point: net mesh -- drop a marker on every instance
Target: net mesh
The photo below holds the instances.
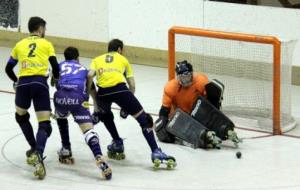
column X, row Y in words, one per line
column 246, row 69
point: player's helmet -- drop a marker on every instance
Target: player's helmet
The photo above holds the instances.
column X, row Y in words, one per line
column 184, row 72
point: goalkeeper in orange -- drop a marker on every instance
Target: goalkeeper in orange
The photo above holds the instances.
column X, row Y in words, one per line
column 190, row 111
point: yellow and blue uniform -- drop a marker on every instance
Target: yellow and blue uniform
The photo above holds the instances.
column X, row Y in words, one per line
column 110, row 69
column 32, row 54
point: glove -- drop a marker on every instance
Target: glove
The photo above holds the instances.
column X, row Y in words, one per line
column 161, row 122
column 123, row 114
column 162, row 134
column 53, row 81
column 96, row 118
column 15, row 85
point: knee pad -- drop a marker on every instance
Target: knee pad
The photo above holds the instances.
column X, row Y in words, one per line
column 106, row 116
column 91, row 136
column 102, row 116
column 145, row 120
column 46, row 126
column 162, row 134
column 22, row 118
column 61, row 122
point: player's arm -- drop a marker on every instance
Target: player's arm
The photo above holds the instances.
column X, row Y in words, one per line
column 129, row 76
column 161, row 123
column 131, row 84
column 165, row 109
column 90, row 82
column 55, row 68
column 93, row 94
column 9, row 69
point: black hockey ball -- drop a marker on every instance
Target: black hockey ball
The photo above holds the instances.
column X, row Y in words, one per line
column 238, row 154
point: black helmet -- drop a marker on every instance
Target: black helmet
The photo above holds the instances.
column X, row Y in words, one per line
column 184, row 72
column 183, row 67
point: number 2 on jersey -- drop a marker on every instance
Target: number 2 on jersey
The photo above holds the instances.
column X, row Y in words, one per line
column 32, row 47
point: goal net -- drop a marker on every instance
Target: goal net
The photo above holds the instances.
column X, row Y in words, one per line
column 256, row 72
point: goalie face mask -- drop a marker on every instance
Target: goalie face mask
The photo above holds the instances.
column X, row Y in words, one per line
column 185, row 79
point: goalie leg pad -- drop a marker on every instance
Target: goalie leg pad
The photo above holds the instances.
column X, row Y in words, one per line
column 204, row 112
column 214, row 92
column 162, row 134
column 183, row 126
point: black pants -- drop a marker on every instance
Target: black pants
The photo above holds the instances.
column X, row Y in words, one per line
column 121, row 95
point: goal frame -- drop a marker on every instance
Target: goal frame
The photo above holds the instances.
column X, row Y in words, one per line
column 238, row 37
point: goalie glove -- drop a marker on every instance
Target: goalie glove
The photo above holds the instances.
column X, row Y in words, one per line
column 160, row 129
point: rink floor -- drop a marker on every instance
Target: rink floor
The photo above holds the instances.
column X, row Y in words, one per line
column 268, row 162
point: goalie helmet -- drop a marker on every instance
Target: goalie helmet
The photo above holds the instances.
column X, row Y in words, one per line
column 184, row 72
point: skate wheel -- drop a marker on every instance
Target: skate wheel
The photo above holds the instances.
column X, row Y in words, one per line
column 120, row 156
column 110, row 155
column 116, row 156
column 108, row 177
column 39, row 172
column 107, row 174
column 171, row 164
column 69, row 161
column 30, row 161
column 156, row 163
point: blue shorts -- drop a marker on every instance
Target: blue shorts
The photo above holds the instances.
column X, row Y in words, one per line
column 74, row 102
column 35, row 89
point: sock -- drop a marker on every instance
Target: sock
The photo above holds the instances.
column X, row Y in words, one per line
column 112, row 129
column 92, row 139
column 149, row 136
column 26, row 128
column 42, row 135
column 63, row 127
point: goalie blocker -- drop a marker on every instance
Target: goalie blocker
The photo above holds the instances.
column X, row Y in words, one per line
column 214, row 92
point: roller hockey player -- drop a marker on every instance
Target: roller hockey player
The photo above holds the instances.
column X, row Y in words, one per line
column 71, row 97
column 109, row 70
column 33, row 54
column 182, row 97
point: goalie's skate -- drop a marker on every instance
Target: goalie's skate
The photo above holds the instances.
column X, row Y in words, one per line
column 36, row 160
column 212, row 140
column 65, row 156
column 232, row 135
column 158, row 157
column 106, row 170
column 116, row 150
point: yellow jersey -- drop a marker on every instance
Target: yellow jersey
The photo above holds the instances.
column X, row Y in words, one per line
column 111, row 69
column 32, row 54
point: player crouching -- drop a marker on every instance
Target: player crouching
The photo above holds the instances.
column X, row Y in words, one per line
column 195, row 116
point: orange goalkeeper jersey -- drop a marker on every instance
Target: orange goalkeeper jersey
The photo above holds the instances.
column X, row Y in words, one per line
column 176, row 96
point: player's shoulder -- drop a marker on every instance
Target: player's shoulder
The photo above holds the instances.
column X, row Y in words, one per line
column 120, row 57
column 200, row 77
column 171, row 86
column 21, row 42
column 200, row 80
column 44, row 41
column 100, row 57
